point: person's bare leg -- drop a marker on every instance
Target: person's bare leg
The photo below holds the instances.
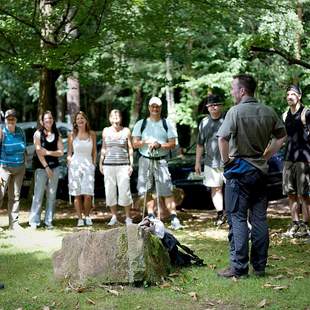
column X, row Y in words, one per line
column 217, row 198
column 294, row 206
column 78, row 205
column 305, row 208
column 87, row 204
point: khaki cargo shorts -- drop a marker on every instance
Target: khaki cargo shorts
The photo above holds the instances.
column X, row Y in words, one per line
column 296, row 178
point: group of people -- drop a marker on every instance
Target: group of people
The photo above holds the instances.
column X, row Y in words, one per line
column 153, row 142
column 237, row 147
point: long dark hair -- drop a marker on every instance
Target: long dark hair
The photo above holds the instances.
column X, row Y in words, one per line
column 53, row 129
column 75, row 127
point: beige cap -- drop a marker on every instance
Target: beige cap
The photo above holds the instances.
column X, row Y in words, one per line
column 155, row 100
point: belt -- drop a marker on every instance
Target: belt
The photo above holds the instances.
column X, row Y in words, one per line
column 155, row 158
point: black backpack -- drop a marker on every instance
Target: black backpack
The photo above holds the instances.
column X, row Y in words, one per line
column 178, row 257
column 143, row 125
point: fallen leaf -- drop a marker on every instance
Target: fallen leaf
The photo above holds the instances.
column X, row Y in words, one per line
column 177, row 289
column 193, row 295
column 165, row 285
column 46, row 308
column 280, row 287
column 138, row 307
column 280, row 276
column 275, row 257
column 262, row 304
column 212, row 266
column 113, row 292
column 34, row 297
column 174, row 274
column 90, row 301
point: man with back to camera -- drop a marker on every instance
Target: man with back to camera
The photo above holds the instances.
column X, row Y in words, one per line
column 154, row 142
column 245, row 147
column 296, row 171
column 207, row 143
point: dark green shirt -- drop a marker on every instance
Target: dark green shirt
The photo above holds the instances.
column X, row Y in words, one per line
column 248, row 127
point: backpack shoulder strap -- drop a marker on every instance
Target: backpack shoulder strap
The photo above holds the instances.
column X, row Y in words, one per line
column 303, row 116
column 143, row 125
column 165, row 125
column 284, row 116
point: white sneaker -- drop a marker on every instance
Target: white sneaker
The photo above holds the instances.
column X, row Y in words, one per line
column 128, row 221
column 175, row 223
column 80, row 223
column 16, row 227
column 33, row 226
column 113, row 221
column 88, row 221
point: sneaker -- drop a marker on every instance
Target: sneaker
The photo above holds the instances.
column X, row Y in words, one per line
column 113, row 221
column 291, row 232
column 175, row 223
column 230, row 273
column 16, row 227
column 220, row 220
column 128, row 221
column 49, row 227
column 303, row 231
column 80, row 223
column 88, row 221
column 33, row 226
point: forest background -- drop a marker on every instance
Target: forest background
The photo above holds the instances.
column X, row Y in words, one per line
column 95, row 55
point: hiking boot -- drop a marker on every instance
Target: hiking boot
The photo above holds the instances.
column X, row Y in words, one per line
column 303, row 231
column 113, row 221
column 128, row 221
column 175, row 224
column 80, row 223
column 230, row 273
column 291, row 232
column 88, row 221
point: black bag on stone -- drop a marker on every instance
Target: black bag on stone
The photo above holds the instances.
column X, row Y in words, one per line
column 180, row 255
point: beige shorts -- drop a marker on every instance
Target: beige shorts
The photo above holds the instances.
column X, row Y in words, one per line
column 117, row 186
column 213, row 177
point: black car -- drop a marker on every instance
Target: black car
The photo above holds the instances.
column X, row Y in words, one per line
column 198, row 196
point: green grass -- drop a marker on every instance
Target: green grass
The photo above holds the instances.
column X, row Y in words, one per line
column 26, row 270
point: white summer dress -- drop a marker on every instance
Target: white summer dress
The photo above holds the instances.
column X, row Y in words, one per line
column 81, row 168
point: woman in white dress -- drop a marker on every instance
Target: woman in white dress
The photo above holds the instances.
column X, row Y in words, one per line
column 116, row 165
column 82, row 163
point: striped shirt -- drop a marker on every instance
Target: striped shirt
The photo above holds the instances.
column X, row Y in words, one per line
column 13, row 147
column 116, row 149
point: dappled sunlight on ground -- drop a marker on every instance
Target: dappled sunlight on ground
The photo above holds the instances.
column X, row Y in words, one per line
column 198, row 225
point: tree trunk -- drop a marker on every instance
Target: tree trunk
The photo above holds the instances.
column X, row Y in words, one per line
column 48, row 91
column 169, row 89
column 73, row 95
column 136, row 106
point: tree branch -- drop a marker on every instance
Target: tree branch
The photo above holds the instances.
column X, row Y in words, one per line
column 26, row 23
column 291, row 60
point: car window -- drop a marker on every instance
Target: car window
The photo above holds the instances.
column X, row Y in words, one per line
column 63, row 132
column 29, row 135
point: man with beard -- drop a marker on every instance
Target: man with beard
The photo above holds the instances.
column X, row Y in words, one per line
column 296, row 172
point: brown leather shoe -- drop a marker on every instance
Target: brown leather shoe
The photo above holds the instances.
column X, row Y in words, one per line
column 230, row 273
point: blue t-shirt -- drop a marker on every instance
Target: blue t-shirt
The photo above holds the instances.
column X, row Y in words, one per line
column 13, row 146
column 154, row 131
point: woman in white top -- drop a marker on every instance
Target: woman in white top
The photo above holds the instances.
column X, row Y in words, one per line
column 82, row 162
column 116, row 165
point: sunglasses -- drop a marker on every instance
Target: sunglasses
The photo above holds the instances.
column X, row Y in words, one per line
column 213, row 105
